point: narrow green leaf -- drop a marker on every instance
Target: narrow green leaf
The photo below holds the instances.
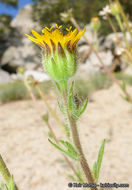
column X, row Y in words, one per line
column 57, row 86
column 126, row 98
column 83, row 107
column 100, row 156
column 46, row 117
column 62, row 107
column 71, row 88
column 70, row 154
column 70, row 98
column 68, row 146
column 56, row 146
column 94, row 172
column 11, row 185
column 71, row 177
column 79, row 176
column 71, row 150
column 123, row 85
column 3, row 186
column 50, row 135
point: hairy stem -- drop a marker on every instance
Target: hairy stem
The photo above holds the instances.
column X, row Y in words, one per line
column 76, row 140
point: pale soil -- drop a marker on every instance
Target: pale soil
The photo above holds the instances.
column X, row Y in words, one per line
column 37, row 165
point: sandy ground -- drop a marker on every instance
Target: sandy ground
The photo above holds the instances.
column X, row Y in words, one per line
column 37, row 165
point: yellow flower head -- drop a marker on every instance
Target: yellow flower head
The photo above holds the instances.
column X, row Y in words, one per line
column 94, row 19
column 50, row 38
column 59, row 57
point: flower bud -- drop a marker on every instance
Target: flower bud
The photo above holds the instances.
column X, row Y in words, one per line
column 95, row 23
column 114, row 8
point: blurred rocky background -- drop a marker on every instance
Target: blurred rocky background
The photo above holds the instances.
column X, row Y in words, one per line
column 16, row 50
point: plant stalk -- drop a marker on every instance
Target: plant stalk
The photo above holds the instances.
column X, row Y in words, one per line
column 76, row 140
column 124, row 17
column 49, row 108
column 111, row 23
column 123, row 31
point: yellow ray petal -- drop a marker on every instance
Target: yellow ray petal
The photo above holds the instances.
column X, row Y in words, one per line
column 77, row 38
column 36, row 34
column 56, row 36
column 32, row 38
column 35, row 40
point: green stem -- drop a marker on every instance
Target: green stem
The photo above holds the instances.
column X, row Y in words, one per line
column 123, row 31
column 76, row 140
column 95, row 44
column 124, row 17
column 5, row 172
column 111, row 23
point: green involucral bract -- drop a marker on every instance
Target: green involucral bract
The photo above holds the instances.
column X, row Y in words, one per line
column 59, row 66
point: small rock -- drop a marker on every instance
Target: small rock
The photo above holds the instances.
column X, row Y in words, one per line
column 92, row 65
column 110, row 41
column 106, row 57
column 37, row 76
column 23, row 21
column 128, row 71
column 23, row 55
column 8, row 56
column 16, row 76
column 22, row 52
column 4, row 77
